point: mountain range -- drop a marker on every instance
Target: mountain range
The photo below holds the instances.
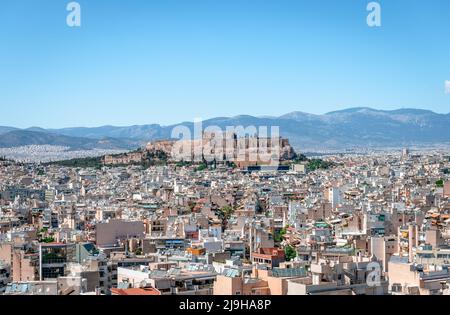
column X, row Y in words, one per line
column 350, row 128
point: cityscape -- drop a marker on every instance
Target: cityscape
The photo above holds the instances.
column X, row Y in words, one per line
column 144, row 223
column 321, row 166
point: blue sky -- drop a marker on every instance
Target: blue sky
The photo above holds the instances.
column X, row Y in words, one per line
column 166, row 61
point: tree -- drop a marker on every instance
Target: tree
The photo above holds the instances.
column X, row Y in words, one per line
column 316, row 164
column 290, row 253
column 48, row 239
column 201, row 167
column 300, row 158
column 226, row 212
column 440, row 183
column 279, row 235
column 183, row 164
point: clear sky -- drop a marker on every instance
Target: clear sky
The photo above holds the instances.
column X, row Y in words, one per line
column 166, row 61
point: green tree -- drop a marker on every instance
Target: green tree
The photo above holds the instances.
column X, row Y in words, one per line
column 278, row 237
column 48, row 239
column 316, row 164
column 226, row 212
column 183, row 164
column 201, row 167
column 300, row 158
column 290, row 253
column 440, row 183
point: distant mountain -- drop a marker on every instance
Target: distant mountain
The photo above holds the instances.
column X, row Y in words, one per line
column 18, row 138
column 6, row 129
column 130, row 132
column 349, row 128
column 38, row 129
column 366, row 127
column 299, row 116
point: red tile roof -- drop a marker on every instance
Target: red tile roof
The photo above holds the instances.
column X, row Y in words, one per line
column 135, row 291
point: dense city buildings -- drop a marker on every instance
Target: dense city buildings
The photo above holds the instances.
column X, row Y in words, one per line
column 345, row 224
